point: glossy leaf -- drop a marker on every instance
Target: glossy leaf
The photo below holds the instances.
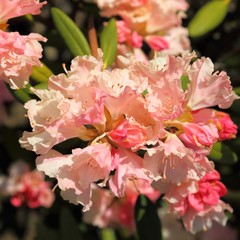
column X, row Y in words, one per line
column 147, row 220
column 45, row 233
column 222, row 153
column 208, row 17
column 108, row 234
column 43, row 85
column 68, row 226
column 41, row 74
column 185, row 81
column 108, row 42
column 237, row 90
column 73, row 37
column 22, row 94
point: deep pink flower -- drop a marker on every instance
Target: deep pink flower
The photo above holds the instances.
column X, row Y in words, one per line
column 26, row 187
column 128, row 134
column 157, row 43
column 198, row 136
column 224, row 124
column 198, row 203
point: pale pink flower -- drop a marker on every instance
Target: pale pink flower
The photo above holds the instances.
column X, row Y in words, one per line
column 18, row 55
column 15, row 8
column 198, row 203
column 109, row 211
column 55, row 119
column 162, row 79
column 77, row 171
column 203, row 84
column 177, row 39
column 25, row 187
column 119, row 113
column 130, row 168
column 149, row 20
column 172, row 162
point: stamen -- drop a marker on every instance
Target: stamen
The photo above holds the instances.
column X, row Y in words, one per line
column 65, row 68
column 95, row 141
column 14, row 85
column 54, row 188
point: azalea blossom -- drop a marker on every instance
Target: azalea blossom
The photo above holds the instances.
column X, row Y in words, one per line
column 15, row 8
column 198, row 203
column 25, row 187
column 18, row 56
column 129, row 127
column 225, row 126
column 109, row 211
column 158, row 23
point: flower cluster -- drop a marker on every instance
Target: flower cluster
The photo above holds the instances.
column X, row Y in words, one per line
column 110, row 211
column 136, row 124
column 18, row 54
column 157, row 23
column 25, row 187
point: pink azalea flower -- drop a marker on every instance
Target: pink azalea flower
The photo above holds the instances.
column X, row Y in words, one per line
column 120, row 113
column 76, row 172
column 148, row 20
column 125, row 35
column 172, row 162
column 128, row 134
column 26, row 187
column 109, row 211
column 225, row 126
column 198, row 203
column 18, row 55
column 130, row 168
column 157, row 43
column 199, row 137
column 15, row 8
column 162, row 80
column 203, row 85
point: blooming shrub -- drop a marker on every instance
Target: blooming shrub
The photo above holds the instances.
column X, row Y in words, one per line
column 134, row 123
column 101, row 106
column 25, row 187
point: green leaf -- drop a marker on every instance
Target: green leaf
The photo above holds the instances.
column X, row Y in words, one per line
column 73, row 37
column 185, row 81
column 43, row 85
column 208, row 17
column 108, row 234
column 45, row 233
column 41, row 74
column 22, row 94
column 223, row 154
column 237, row 90
column 108, row 42
column 69, row 229
column 147, row 220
